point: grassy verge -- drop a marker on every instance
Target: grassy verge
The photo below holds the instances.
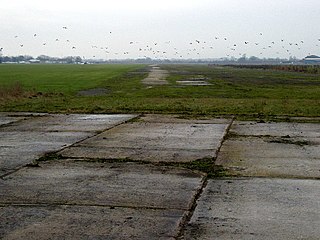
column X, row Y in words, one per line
column 246, row 93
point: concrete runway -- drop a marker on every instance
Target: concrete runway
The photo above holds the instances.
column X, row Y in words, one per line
column 83, row 176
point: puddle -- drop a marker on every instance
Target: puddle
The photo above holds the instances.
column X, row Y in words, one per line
column 198, row 80
column 193, row 83
column 94, row 92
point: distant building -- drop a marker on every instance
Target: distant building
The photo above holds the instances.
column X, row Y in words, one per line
column 312, row 59
column 34, row 61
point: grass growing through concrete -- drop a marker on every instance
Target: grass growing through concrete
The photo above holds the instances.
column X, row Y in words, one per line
column 246, row 93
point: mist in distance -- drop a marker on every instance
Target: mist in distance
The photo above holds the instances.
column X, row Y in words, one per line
column 160, row 29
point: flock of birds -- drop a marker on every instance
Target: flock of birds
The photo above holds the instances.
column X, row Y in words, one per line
column 192, row 49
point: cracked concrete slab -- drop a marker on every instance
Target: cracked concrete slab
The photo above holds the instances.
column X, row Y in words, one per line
column 260, row 157
column 87, row 222
column 29, row 137
column 154, row 140
column 83, row 197
column 105, row 184
column 20, row 148
column 257, row 209
column 81, row 200
column 272, row 150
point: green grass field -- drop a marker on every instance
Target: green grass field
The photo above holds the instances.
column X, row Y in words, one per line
column 245, row 93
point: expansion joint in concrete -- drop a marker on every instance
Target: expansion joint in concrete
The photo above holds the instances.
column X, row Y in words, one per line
column 190, row 212
column 224, row 137
column 111, row 206
column 188, row 215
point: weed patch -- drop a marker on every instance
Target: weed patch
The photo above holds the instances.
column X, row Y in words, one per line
column 207, row 166
column 14, row 90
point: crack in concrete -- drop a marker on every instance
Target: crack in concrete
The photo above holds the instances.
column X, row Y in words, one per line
column 225, row 136
column 43, row 204
column 190, row 212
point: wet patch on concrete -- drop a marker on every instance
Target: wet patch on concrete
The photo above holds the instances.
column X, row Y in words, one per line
column 289, row 150
column 153, row 140
column 157, row 118
column 8, row 118
column 256, row 209
column 70, row 123
column 94, row 92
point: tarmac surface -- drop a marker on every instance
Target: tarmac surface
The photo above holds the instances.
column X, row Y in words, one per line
column 120, row 177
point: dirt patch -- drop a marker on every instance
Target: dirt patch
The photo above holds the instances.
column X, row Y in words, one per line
column 94, row 92
column 289, row 140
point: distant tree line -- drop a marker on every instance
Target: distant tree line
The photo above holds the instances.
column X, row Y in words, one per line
column 312, row 69
column 243, row 60
column 40, row 59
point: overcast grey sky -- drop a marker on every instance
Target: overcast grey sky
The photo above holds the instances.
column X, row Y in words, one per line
column 160, row 29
